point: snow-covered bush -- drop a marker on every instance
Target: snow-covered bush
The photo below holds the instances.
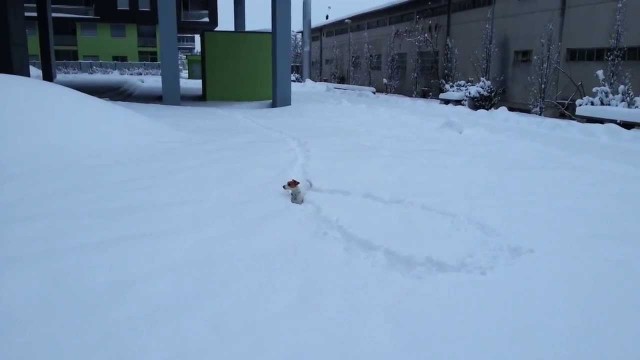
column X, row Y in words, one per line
column 140, row 72
column 482, row 95
column 457, row 87
column 604, row 96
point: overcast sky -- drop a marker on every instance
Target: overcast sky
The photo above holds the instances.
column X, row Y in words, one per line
column 259, row 11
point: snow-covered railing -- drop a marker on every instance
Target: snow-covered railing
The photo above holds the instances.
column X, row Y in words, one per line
column 610, row 114
column 349, row 87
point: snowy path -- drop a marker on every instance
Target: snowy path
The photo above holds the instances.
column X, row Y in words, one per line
column 132, row 231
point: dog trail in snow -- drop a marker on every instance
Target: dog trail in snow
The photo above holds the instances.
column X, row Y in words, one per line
column 406, row 264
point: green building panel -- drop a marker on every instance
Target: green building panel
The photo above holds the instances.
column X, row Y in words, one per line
column 237, row 66
column 105, row 46
column 33, row 44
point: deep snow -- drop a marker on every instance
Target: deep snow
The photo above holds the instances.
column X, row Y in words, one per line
column 132, row 231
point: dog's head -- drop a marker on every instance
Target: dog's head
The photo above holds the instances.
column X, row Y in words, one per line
column 291, row 184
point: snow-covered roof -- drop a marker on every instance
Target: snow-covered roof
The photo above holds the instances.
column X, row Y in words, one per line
column 384, row 6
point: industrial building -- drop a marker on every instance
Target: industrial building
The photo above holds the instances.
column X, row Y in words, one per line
column 583, row 28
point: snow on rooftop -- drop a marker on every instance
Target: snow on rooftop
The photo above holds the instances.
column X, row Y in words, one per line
column 364, row 11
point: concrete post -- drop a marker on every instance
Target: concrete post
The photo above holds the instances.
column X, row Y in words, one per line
column 45, row 31
column 239, row 15
column 281, row 52
column 306, row 40
column 14, row 53
column 168, row 31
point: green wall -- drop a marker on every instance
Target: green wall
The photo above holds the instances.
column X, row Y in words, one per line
column 33, row 44
column 237, row 66
column 105, row 47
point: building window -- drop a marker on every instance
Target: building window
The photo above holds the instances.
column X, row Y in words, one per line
column 401, row 18
column 328, row 33
column 66, row 55
column 118, row 30
column 431, row 12
column 600, row 54
column 376, row 62
column 144, row 4
column 32, row 28
column 34, row 57
column 315, row 38
column 119, row 58
column 522, row 56
column 123, row 4
column 358, row 27
column 342, row 31
column 90, row 58
column 88, row 29
column 328, row 61
column 469, row 5
column 148, row 56
column 428, row 63
column 402, row 62
column 633, row 53
column 376, row 23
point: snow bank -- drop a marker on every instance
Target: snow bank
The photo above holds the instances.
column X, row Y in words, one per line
column 35, row 72
column 134, row 231
column 610, row 113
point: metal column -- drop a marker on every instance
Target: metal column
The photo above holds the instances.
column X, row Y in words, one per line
column 239, row 15
column 14, row 53
column 45, row 31
column 168, row 29
column 281, row 52
column 306, row 40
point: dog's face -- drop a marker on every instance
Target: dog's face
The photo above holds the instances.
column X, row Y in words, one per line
column 290, row 185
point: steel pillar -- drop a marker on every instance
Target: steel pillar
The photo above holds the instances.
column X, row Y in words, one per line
column 239, row 15
column 14, row 53
column 306, row 40
column 168, row 31
column 281, row 52
column 45, row 32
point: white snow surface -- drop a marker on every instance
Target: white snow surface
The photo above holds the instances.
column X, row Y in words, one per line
column 609, row 112
column 134, row 231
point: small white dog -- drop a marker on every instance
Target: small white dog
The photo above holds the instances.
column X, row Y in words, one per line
column 297, row 192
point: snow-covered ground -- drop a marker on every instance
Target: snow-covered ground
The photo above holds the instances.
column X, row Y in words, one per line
column 133, row 231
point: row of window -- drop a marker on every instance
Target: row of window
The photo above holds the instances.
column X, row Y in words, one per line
column 72, row 55
column 600, row 54
column 142, row 5
column 427, row 60
column 408, row 17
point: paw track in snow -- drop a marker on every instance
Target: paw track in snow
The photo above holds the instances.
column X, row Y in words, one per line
column 410, row 265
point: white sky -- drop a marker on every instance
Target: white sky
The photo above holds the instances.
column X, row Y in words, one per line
column 259, row 11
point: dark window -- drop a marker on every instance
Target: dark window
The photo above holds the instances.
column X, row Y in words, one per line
column 66, row 55
column 148, row 56
column 402, row 62
column 376, row 62
column 582, row 55
column 328, row 61
column 90, row 58
column 428, row 63
column 600, row 54
column 376, row 23
column 341, row 31
column 522, row 56
column 315, row 38
column 401, row 18
column 118, row 30
column 590, row 54
column 123, row 4
column 633, row 53
column 463, row 5
column 144, row 4
column 32, row 28
column 88, row 29
column 120, row 58
column 358, row 27
column 329, row 33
